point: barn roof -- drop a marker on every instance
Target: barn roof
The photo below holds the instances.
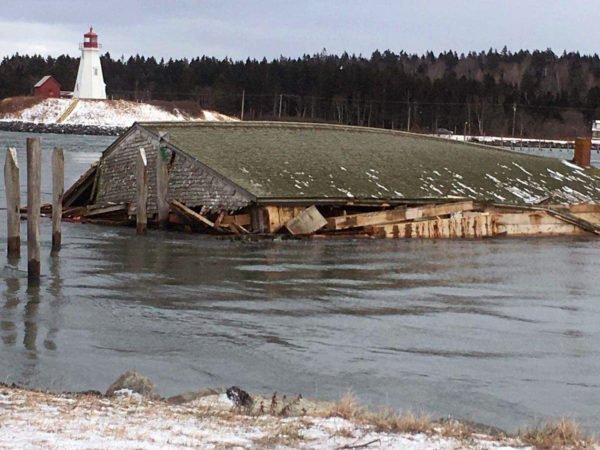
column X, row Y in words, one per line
column 43, row 80
column 275, row 160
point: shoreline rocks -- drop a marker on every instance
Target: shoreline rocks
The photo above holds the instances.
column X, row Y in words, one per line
column 58, row 128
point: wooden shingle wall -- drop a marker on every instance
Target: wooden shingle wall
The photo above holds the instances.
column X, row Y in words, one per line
column 189, row 181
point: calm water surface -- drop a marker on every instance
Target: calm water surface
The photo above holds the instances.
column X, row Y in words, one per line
column 504, row 332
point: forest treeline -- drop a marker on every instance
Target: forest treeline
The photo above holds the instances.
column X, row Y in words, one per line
column 529, row 94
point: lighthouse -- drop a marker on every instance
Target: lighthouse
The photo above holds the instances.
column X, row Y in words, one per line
column 90, row 82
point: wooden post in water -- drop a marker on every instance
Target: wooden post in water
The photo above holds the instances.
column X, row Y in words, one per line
column 162, row 188
column 13, row 203
column 33, row 209
column 142, row 191
column 58, row 190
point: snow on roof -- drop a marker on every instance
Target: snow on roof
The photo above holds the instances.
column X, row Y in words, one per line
column 42, row 81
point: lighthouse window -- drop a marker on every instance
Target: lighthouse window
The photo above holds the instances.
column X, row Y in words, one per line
column 95, row 71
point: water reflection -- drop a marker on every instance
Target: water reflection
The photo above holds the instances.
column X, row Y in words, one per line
column 11, row 301
column 30, row 319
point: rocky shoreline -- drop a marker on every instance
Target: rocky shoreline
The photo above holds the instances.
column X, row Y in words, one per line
column 55, row 128
column 131, row 414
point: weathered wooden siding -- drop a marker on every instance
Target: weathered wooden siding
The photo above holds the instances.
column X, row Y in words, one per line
column 189, row 181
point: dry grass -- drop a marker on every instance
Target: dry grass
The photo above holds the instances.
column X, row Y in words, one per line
column 287, row 434
column 455, row 429
column 347, row 408
column 390, row 421
column 15, row 104
column 558, row 435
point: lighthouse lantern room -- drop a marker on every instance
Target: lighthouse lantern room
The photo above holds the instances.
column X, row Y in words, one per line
column 90, row 82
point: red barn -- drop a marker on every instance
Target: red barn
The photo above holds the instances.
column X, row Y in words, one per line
column 47, row 87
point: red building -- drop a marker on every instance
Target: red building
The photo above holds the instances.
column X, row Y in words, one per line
column 47, row 87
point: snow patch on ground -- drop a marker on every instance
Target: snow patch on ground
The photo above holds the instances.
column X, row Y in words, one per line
column 42, row 420
column 108, row 113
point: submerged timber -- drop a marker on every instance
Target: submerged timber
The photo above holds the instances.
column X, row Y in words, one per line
column 262, row 178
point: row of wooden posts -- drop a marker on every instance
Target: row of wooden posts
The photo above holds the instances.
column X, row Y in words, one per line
column 13, row 204
column 13, row 201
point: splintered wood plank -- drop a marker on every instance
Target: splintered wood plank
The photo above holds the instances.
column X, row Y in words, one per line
column 80, row 186
column 396, row 215
column 439, row 210
column 100, row 211
column 180, row 207
column 307, row 222
column 366, row 219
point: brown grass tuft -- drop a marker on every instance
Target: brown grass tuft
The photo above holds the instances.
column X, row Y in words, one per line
column 558, row 435
column 347, row 408
column 387, row 420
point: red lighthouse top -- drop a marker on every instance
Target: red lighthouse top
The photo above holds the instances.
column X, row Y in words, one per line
column 90, row 39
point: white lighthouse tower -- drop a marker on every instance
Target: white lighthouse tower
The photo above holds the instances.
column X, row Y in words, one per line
column 90, row 82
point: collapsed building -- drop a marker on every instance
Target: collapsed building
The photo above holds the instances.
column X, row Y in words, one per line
column 260, row 178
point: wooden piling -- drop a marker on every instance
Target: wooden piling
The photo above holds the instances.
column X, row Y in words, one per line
column 142, row 191
column 13, row 203
column 162, row 188
column 33, row 210
column 58, row 190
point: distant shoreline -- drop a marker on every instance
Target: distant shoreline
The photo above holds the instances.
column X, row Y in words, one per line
column 31, row 127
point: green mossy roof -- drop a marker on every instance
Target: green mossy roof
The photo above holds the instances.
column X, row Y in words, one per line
column 295, row 161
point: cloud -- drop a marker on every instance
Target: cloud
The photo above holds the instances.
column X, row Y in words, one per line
column 240, row 29
column 37, row 38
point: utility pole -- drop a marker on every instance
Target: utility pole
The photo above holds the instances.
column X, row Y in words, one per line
column 243, row 102
column 514, row 119
column 409, row 114
column 280, row 104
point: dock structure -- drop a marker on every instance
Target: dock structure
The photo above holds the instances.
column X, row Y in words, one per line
column 263, row 178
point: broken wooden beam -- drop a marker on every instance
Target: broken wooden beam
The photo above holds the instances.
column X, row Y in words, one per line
column 181, row 208
column 94, row 210
column 366, row 219
column 79, row 188
column 443, row 209
column 400, row 214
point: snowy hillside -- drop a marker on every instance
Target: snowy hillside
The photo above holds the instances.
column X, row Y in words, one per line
column 102, row 113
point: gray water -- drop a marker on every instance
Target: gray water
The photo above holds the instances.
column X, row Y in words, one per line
column 503, row 332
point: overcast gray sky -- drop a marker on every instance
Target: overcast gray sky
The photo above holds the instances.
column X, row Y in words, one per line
column 241, row 29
